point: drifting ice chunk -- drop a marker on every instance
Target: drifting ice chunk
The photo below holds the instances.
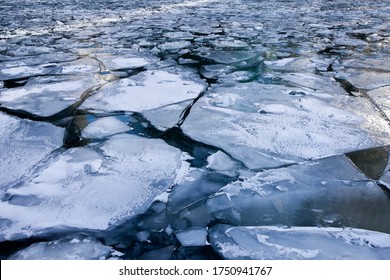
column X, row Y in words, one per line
column 192, row 237
column 104, row 127
column 367, row 80
column 216, row 70
column 33, row 65
column 34, row 98
column 307, row 194
column 23, row 71
column 272, row 125
column 23, row 145
column 381, row 97
column 220, row 162
column 174, row 46
column 168, row 116
column 114, row 62
column 367, row 73
column 88, row 189
column 237, row 58
column 299, row 243
column 145, row 91
column 195, row 186
column 314, row 82
column 73, row 247
column 83, row 67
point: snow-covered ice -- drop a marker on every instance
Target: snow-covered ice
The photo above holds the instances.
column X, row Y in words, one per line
column 20, row 138
column 299, row 243
column 269, row 125
column 104, row 127
column 140, row 125
column 145, row 91
column 306, row 194
column 73, row 247
column 60, row 93
column 88, row 188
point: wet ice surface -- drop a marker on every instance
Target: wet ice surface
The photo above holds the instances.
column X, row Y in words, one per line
column 299, row 243
column 19, row 138
column 119, row 178
column 73, row 247
column 134, row 129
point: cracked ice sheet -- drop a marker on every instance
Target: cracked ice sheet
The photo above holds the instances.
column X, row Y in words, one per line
column 28, row 66
column 72, row 247
column 299, row 243
column 92, row 189
column 271, row 125
column 329, row 191
column 58, row 91
column 168, row 116
column 381, row 97
column 366, row 73
column 145, row 91
column 23, row 145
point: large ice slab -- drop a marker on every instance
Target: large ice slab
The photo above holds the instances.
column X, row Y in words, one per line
column 60, row 92
column 329, row 191
column 367, row 73
column 299, row 243
column 88, row 188
column 122, row 62
column 272, row 125
column 145, row 91
column 23, row 145
column 72, row 247
column 381, row 97
column 33, row 65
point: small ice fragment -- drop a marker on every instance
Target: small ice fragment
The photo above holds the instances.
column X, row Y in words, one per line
column 105, row 127
column 282, row 189
column 192, row 237
column 220, row 162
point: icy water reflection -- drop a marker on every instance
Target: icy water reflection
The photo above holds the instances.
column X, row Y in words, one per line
column 194, row 129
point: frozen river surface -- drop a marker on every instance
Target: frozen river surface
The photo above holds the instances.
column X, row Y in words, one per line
column 201, row 129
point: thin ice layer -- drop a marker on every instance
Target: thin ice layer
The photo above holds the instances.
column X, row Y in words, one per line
column 299, row 243
column 23, row 145
column 92, row 189
column 272, row 125
column 145, row 91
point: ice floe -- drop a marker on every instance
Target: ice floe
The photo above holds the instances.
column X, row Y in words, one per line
column 93, row 188
column 308, row 194
column 104, row 127
column 145, row 91
column 192, row 237
column 72, row 247
column 299, row 243
column 24, row 144
column 59, row 92
column 271, row 125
